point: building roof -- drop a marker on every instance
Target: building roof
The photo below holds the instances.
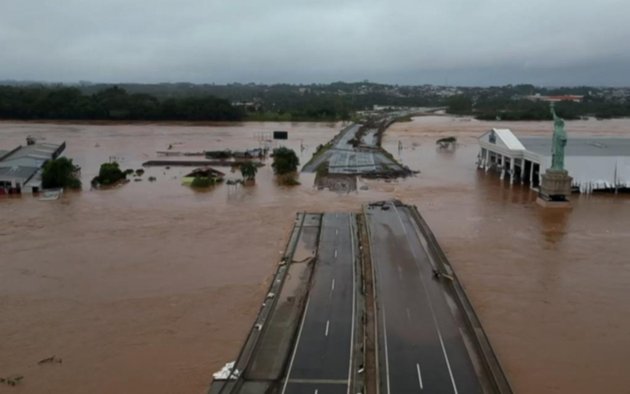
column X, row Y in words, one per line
column 25, row 161
column 18, row 172
column 38, row 151
column 509, row 139
column 592, row 146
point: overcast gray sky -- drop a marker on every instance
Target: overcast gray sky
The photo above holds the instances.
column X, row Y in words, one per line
column 466, row 42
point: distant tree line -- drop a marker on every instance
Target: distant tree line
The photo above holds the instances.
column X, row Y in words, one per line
column 509, row 108
column 113, row 103
column 287, row 102
column 322, row 106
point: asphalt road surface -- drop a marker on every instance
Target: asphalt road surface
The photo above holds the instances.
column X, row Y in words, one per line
column 321, row 360
column 344, row 139
column 343, row 158
column 420, row 347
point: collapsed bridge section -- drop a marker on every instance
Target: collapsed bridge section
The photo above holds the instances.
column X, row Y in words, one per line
column 364, row 303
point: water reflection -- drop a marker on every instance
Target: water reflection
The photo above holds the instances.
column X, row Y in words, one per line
column 554, row 223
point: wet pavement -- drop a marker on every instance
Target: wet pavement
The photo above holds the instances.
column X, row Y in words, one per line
column 322, row 356
column 272, row 349
column 420, row 346
column 343, row 158
column 151, row 287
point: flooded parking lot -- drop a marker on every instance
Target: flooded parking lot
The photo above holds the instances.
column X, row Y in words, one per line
column 151, row 287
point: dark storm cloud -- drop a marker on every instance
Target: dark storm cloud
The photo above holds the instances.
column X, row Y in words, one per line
column 401, row 41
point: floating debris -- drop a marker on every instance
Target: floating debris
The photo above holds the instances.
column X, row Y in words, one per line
column 51, row 359
column 51, row 194
column 203, row 177
column 227, row 372
column 447, row 142
column 12, row 380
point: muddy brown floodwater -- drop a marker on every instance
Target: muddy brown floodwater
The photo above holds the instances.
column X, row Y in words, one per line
column 151, row 287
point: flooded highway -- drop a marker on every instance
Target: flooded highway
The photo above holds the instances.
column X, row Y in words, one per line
column 322, row 359
column 346, row 156
column 414, row 315
column 151, row 287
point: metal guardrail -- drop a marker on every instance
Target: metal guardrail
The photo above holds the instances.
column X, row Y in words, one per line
column 242, row 360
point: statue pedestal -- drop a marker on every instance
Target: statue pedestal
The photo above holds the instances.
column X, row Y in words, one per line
column 555, row 189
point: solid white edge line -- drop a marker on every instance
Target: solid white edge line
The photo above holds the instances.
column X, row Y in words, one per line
column 297, row 343
column 386, row 348
column 400, row 219
column 426, row 292
column 448, row 364
column 353, row 301
column 437, row 328
column 419, row 375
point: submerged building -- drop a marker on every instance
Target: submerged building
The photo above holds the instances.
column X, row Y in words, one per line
column 595, row 163
column 20, row 168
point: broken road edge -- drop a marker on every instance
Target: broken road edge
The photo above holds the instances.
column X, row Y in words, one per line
column 365, row 375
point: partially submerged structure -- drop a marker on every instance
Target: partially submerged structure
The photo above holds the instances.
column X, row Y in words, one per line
column 595, row 163
column 20, row 169
column 256, row 153
column 211, row 174
column 356, row 151
column 446, row 143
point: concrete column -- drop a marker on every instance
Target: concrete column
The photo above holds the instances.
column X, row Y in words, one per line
column 531, row 174
column 502, row 163
column 487, row 160
column 512, row 169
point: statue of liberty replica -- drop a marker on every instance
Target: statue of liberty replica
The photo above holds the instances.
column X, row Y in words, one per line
column 556, row 182
column 559, row 141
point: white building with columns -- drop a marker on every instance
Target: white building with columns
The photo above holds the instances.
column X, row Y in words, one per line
column 595, row 163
